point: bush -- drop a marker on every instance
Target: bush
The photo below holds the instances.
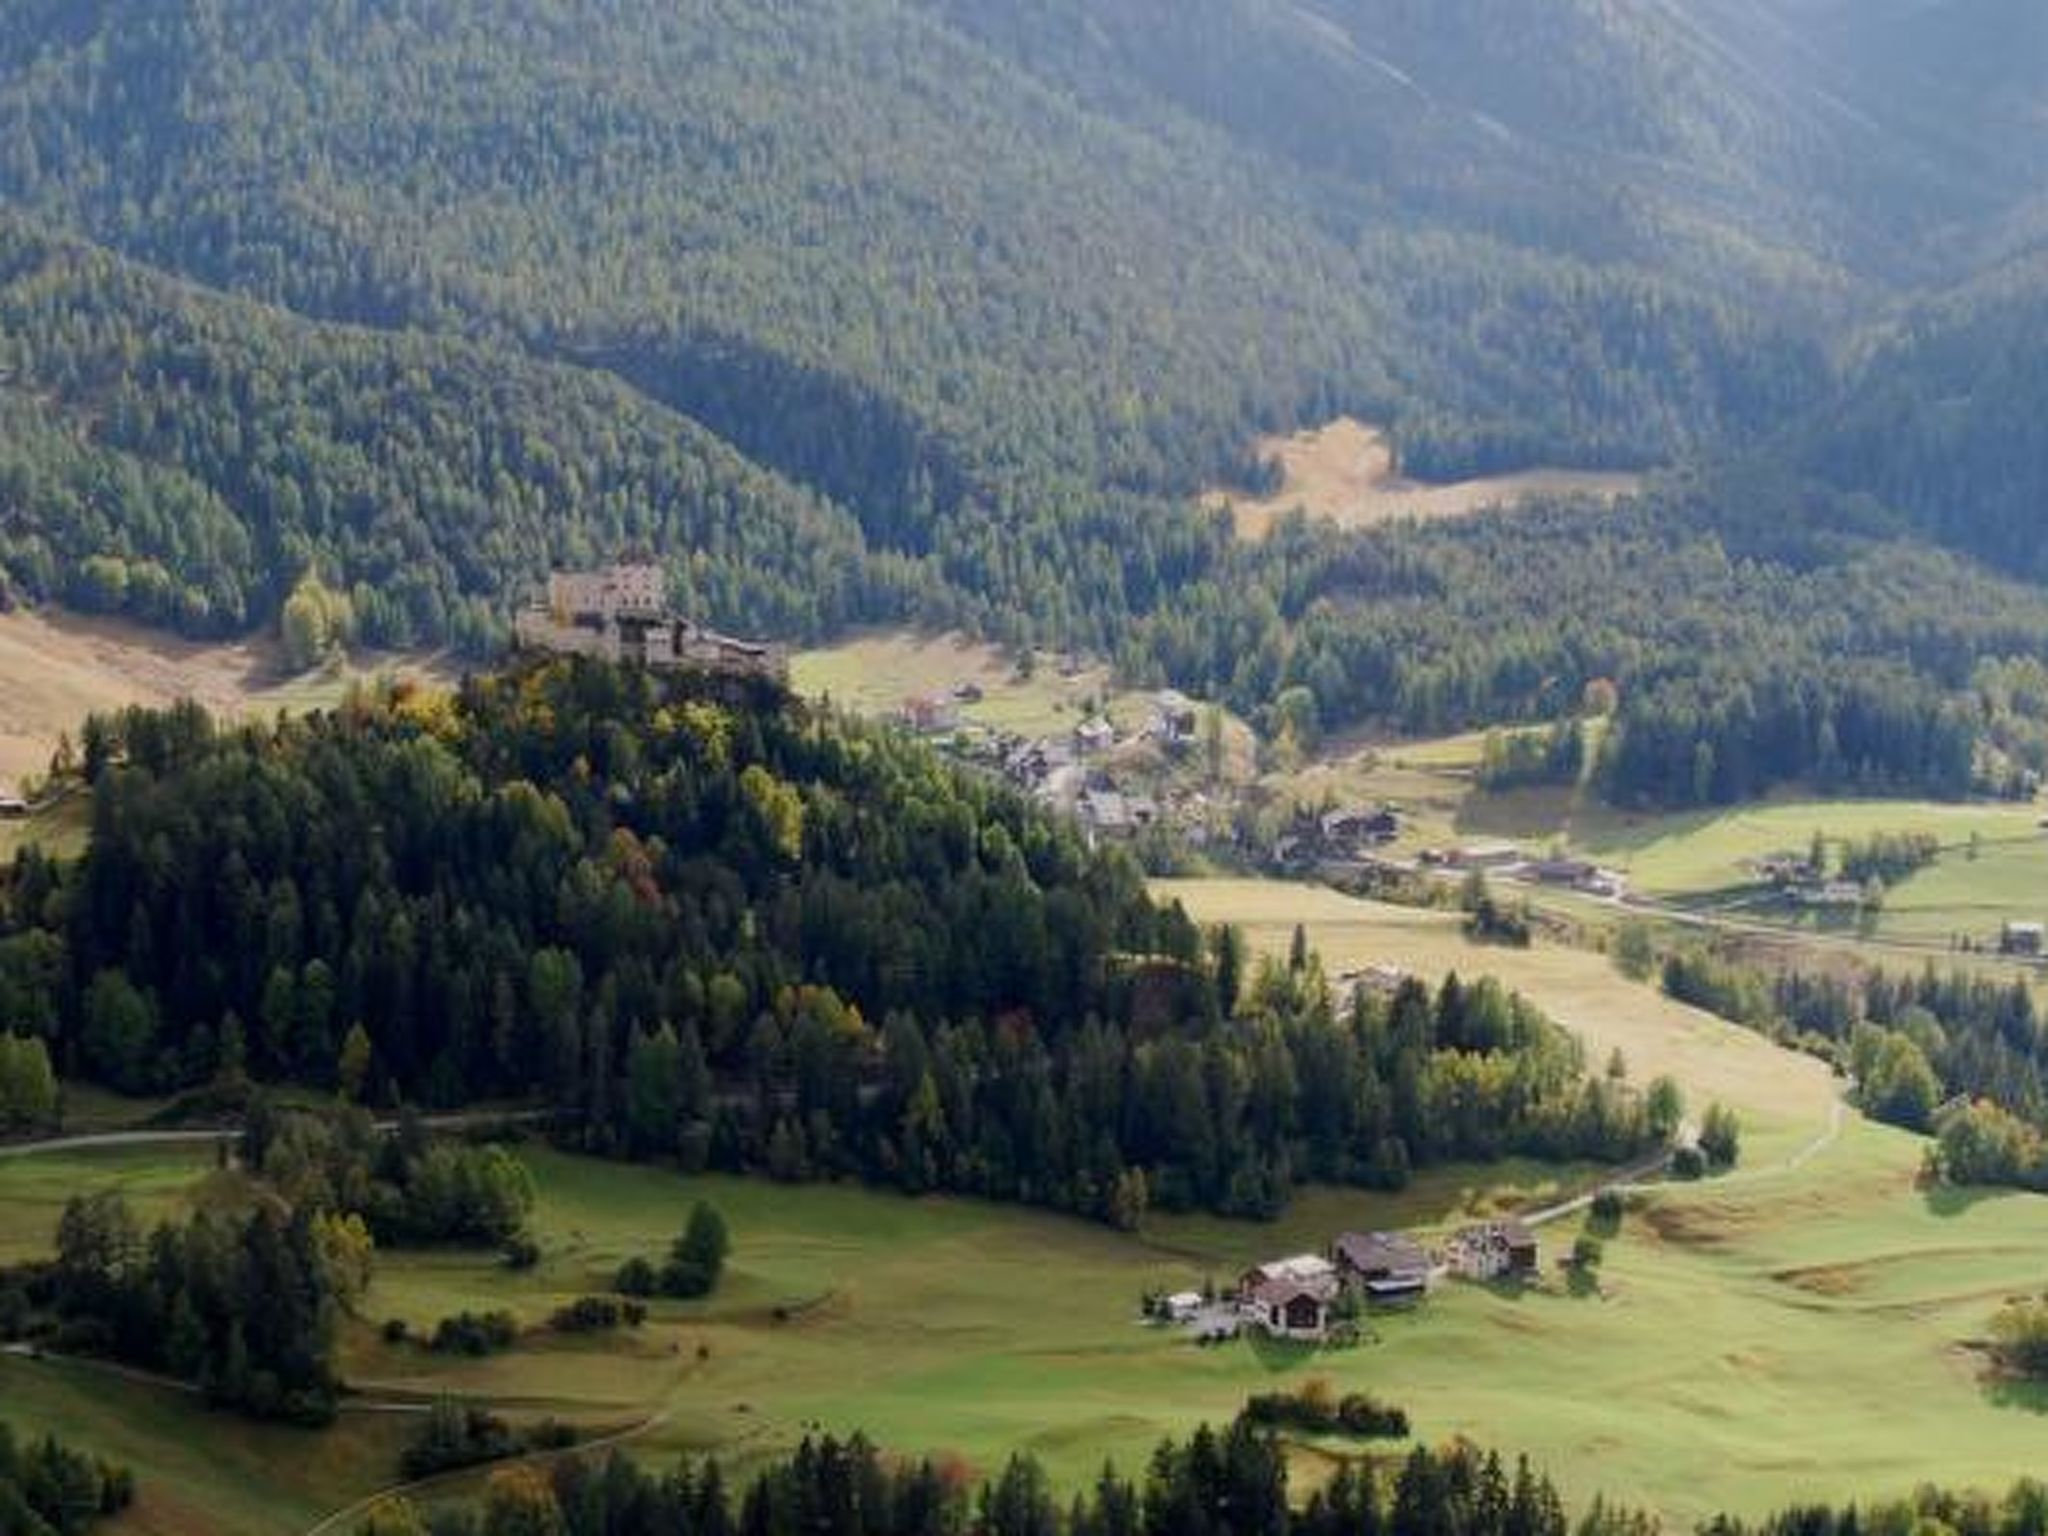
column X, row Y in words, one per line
column 474, row 1333
column 597, row 1314
column 521, row 1253
column 637, row 1277
column 396, row 1330
column 1316, row 1410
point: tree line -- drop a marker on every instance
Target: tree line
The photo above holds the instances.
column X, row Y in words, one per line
column 49, row 1488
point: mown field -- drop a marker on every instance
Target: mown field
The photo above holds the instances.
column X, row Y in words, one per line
column 1802, row 1327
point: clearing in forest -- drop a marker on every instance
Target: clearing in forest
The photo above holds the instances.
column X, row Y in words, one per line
column 1347, row 472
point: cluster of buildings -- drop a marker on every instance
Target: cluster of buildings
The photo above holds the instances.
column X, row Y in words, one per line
column 1347, row 835
column 1804, row 884
column 1303, row 1296
column 1076, row 772
column 620, row 613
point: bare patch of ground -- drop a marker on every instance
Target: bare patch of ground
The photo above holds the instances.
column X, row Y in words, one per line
column 56, row 668
column 1346, row 472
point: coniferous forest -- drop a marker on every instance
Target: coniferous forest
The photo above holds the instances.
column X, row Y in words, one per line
column 562, row 279
column 741, row 934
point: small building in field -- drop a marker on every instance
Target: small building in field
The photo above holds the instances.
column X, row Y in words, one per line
column 1493, row 1250
column 1175, row 719
column 1094, row 736
column 1183, row 1306
column 2025, row 939
column 1484, row 856
column 930, row 715
column 1832, row 895
column 12, row 806
column 1304, row 1268
column 1291, row 1309
column 1384, row 1267
column 1358, row 827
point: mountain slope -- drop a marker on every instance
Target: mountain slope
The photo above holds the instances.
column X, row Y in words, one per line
column 185, row 457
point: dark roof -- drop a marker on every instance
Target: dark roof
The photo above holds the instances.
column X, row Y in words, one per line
column 1376, row 1252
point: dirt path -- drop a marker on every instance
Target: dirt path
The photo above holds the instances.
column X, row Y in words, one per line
column 92, row 1141
column 370, row 1501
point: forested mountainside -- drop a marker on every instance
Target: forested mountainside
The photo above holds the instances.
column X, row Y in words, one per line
column 741, row 933
column 1948, row 421
column 860, row 206
column 1733, row 141
column 185, row 456
column 943, row 309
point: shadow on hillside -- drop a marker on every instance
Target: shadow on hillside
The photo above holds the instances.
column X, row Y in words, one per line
column 1953, row 1200
column 2017, row 1392
column 1279, row 1355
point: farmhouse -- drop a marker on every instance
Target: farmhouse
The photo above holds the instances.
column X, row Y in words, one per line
column 1493, row 1250
column 1174, row 718
column 929, row 715
column 1484, row 856
column 1290, row 1298
column 1382, row 1266
column 1833, row 894
column 1290, row 1309
column 1094, row 736
column 1357, row 828
column 619, row 614
column 2029, row 939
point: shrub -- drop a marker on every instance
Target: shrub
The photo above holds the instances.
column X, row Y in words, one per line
column 474, row 1333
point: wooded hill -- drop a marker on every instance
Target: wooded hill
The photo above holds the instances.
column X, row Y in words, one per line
column 738, row 934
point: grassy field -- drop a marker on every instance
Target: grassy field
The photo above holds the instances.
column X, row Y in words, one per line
column 1786, row 1101
column 1346, row 472
column 874, row 673
column 56, row 668
column 1802, row 1328
column 1783, row 1334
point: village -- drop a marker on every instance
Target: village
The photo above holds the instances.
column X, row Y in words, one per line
column 1318, row 1298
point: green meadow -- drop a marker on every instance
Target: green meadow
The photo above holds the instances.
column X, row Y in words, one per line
column 1783, row 1334
column 1804, row 1327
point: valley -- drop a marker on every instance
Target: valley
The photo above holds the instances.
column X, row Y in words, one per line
column 904, row 745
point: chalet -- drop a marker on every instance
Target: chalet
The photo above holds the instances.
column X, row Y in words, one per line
column 1174, row 718
column 1290, row 1298
column 1384, row 1267
column 930, row 715
column 1571, row 872
column 1356, row 827
column 1094, row 736
column 1305, row 1268
column 1291, row 1309
column 1494, row 1250
column 1106, row 814
column 1484, row 856
column 2028, row 939
column 1785, row 869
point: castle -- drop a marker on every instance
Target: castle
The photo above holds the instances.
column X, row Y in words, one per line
column 619, row 613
